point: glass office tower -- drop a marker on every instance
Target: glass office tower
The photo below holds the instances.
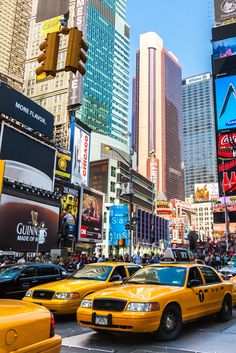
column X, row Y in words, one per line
column 106, row 83
column 198, row 132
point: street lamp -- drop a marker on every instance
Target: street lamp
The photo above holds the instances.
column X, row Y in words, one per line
column 130, row 164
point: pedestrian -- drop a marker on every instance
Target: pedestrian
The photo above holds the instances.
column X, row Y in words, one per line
column 137, row 258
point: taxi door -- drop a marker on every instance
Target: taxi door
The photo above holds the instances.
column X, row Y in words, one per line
column 215, row 288
column 197, row 295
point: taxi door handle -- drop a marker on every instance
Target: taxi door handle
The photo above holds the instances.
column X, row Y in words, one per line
column 205, row 290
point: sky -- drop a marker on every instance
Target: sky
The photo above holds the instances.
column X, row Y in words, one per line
column 184, row 26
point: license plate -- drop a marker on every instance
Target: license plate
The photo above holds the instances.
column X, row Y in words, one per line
column 101, row 320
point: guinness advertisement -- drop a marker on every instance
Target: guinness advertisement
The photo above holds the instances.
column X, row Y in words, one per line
column 23, row 221
column 28, row 160
column 24, row 110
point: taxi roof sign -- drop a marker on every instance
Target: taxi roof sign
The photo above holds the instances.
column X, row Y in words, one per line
column 176, row 255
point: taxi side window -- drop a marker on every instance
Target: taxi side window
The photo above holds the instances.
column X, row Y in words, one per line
column 132, row 269
column 194, row 273
column 210, row 275
column 119, row 270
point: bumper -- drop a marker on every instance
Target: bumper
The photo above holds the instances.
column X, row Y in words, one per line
column 122, row 321
column 57, row 306
column 51, row 345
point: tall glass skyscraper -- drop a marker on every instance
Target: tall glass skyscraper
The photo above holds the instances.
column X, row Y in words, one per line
column 198, row 132
column 105, row 91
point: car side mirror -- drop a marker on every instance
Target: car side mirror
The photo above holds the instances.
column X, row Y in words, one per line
column 115, row 278
column 194, row 283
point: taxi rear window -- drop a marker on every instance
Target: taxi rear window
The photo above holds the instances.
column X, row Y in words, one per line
column 95, row 273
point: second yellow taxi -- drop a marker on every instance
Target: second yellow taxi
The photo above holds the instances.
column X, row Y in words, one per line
column 159, row 299
column 65, row 296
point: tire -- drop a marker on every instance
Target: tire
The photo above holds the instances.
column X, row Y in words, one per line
column 171, row 323
column 226, row 309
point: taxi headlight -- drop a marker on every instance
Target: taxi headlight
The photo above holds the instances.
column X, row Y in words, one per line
column 61, row 295
column 29, row 293
column 86, row 303
column 143, row 307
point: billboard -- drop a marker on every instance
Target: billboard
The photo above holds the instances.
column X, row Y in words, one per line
column 225, row 96
column 225, row 10
column 50, row 26
column 226, row 152
column 49, row 9
column 16, row 229
column 80, row 151
column 205, row 192
column 24, row 110
column 28, row 160
column 224, row 48
column 98, row 176
column 119, row 216
column 63, row 165
column 69, row 208
column 92, row 216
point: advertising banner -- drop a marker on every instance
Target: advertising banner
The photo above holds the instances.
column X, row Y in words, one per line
column 49, row 9
column 50, row 26
column 24, row 110
column 205, row 192
column 225, row 10
column 225, row 102
column 17, row 229
column 226, row 153
column 63, row 165
column 80, row 151
column 28, row 160
column 92, row 216
column 119, row 216
column 69, row 208
column 98, row 177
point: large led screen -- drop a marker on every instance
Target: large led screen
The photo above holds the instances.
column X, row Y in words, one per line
column 223, row 48
column 23, row 221
column 28, row 160
column 225, row 102
column 226, row 153
column 92, row 216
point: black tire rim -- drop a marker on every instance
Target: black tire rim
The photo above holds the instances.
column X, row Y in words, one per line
column 169, row 322
column 226, row 307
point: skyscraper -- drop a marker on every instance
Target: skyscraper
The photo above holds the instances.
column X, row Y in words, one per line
column 158, row 116
column 103, row 92
column 14, row 29
column 198, row 132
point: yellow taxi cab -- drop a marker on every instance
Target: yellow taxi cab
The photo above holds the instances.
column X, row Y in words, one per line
column 27, row 328
column 65, row 296
column 233, row 281
column 159, row 299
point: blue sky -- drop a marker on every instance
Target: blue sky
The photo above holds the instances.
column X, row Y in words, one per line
column 184, row 26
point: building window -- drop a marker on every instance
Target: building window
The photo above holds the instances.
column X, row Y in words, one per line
column 113, row 187
column 113, row 171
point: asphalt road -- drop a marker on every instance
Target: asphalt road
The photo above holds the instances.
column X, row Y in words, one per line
column 204, row 336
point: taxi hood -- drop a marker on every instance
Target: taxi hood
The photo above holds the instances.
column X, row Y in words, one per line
column 136, row 292
column 68, row 285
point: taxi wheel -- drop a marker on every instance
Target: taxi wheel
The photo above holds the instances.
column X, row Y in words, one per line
column 171, row 323
column 226, row 309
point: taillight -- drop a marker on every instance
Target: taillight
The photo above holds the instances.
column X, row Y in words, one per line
column 52, row 326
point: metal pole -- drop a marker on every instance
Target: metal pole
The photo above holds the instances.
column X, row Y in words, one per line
column 226, row 215
column 131, row 212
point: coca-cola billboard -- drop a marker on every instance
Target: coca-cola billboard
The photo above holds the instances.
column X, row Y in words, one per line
column 226, row 153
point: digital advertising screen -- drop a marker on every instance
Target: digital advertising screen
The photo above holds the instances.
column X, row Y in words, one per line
column 225, row 96
column 98, row 177
column 69, row 208
column 225, row 10
column 205, row 192
column 23, row 221
column 224, row 48
column 92, row 216
column 119, row 215
column 28, row 160
column 226, row 152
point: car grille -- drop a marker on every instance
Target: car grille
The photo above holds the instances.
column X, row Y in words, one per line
column 109, row 304
column 43, row 294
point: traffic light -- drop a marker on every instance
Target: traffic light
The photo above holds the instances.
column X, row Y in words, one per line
column 76, row 52
column 49, row 55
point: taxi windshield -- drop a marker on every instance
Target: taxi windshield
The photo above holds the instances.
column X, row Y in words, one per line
column 160, row 275
column 94, row 273
column 8, row 272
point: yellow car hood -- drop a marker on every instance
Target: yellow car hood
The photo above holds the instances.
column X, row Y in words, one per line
column 136, row 292
column 69, row 285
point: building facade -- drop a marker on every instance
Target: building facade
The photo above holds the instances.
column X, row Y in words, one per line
column 158, row 116
column 198, row 132
column 103, row 92
column 14, row 29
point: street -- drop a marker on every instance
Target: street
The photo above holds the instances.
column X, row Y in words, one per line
column 204, row 336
